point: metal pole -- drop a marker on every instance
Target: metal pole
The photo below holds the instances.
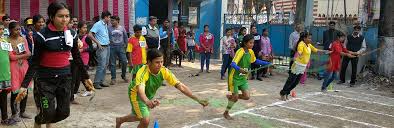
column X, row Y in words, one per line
column 344, row 5
column 358, row 8
column 327, row 14
column 332, row 9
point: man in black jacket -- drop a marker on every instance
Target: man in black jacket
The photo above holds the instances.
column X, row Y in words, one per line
column 256, row 49
column 329, row 35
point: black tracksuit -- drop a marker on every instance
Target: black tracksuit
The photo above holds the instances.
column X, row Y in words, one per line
column 52, row 72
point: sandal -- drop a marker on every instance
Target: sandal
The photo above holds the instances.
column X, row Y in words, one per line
column 16, row 118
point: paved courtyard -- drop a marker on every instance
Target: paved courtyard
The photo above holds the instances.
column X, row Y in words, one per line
column 358, row 107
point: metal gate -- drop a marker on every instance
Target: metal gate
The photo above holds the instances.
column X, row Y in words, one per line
column 278, row 33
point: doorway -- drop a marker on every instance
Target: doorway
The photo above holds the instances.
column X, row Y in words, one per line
column 158, row 8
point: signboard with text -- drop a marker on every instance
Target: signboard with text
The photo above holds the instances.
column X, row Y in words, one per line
column 193, row 16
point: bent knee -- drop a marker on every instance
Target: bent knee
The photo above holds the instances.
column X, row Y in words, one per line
column 144, row 122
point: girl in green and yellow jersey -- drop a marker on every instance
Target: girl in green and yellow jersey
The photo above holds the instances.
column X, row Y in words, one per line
column 237, row 79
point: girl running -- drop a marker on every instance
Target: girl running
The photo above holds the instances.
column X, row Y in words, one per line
column 237, row 79
column 304, row 49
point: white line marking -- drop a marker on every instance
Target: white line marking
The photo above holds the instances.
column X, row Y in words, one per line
column 215, row 125
column 251, row 109
column 337, row 105
column 281, row 120
column 359, row 100
column 201, row 123
column 367, row 94
column 340, row 118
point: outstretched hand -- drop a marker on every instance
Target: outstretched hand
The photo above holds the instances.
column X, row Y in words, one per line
column 351, row 55
column 156, row 102
column 243, row 71
column 204, row 103
column 150, row 104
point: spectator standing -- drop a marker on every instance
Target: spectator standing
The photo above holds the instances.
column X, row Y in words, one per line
column 118, row 38
column 355, row 43
column 206, row 41
column 152, row 34
column 191, row 44
column 100, row 36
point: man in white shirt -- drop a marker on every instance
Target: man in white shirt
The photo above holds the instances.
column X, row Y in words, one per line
column 293, row 39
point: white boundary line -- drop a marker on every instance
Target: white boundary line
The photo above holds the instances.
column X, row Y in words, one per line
column 215, row 125
column 367, row 94
column 281, row 120
column 251, row 109
column 340, row 118
column 359, row 100
column 337, row 105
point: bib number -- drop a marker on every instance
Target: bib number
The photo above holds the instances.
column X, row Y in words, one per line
column 6, row 46
column 21, row 47
column 256, row 37
column 142, row 44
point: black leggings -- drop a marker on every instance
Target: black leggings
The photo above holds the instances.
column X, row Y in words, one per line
column 14, row 106
column 178, row 56
column 292, row 52
column 291, row 83
column 3, row 105
column 258, row 72
column 52, row 96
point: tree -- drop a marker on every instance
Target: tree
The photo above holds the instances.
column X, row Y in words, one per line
column 300, row 11
column 386, row 34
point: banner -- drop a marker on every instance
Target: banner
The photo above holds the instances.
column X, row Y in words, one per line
column 193, row 16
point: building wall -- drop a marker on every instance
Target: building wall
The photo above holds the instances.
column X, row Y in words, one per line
column 88, row 9
column 210, row 14
column 352, row 7
column 84, row 10
column 21, row 9
column 141, row 12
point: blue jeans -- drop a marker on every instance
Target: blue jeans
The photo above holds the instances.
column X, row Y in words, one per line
column 323, row 61
column 190, row 49
column 118, row 52
column 205, row 58
column 329, row 77
column 102, row 62
column 226, row 64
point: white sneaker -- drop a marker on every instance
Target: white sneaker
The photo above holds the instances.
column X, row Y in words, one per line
column 86, row 93
column 75, row 96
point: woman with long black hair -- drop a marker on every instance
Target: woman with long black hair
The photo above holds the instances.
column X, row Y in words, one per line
column 303, row 49
column 51, row 67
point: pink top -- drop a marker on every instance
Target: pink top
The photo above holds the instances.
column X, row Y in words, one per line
column 18, row 66
column 206, row 42
column 182, row 40
column 85, row 53
column 266, row 47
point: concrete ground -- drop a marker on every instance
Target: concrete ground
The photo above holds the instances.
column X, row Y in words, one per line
column 356, row 107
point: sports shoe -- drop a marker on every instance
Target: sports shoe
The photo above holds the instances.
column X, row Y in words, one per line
column 112, row 82
column 126, row 80
column 104, row 85
column 86, row 93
